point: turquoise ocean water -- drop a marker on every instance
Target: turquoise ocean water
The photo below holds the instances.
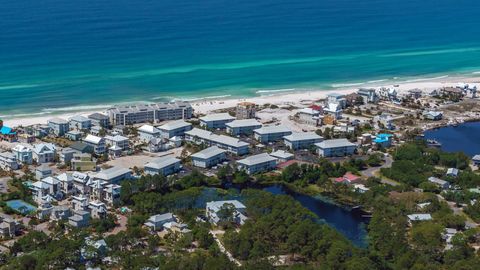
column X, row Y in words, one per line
column 58, row 55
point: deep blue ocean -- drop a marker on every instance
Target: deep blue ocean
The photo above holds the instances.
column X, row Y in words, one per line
column 58, row 55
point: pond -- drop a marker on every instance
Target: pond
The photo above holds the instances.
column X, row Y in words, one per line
column 463, row 138
column 348, row 222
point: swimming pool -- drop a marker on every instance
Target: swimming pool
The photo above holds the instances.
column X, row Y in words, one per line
column 21, row 206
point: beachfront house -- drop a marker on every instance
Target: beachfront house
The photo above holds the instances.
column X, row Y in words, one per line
column 113, row 175
column 44, row 153
column 245, row 110
column 267, row 134
column 23, row 154
column 439, row 182
column 282, row 156
column 79, row 122
column 257, row 163
column 98, row 119
column 7, row 133
column 8, row 161
column 216, row 120
column 230, row 210
column 58, row 126
column 302, row 140
column 157, row 222
column 97, row 143
column 208, row 157
column 242, row 127
column 232, row 145
column 174, row 128
column 335, row 148
column 311, row 116
column 336, row 98
column 368, row 95
column 476, row 160
column 149, row 113
column 147, row 132
column 165, row 166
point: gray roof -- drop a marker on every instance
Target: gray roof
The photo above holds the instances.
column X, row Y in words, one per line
column 174, row 125
column 222, row 139
column 216, row 205
column 149, row 107
column 476, row 158
column 98, row 116
column 217, row 117
column 272, row 129
column 302, row 136
column 57, row 121
column 334, row 143
column 437, row 181
column 161, row 217
column 111, row 173
column 208, row 152
column 281, row 154
column 256, row 159
column 79, row 118
column 243, row 123
column 419, row 217
column 162, row 162
column 116, row 138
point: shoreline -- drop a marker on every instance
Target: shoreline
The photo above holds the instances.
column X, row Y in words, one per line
column 290, row 96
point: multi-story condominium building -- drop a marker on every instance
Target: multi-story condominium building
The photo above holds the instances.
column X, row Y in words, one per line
column 232, row 145
column 268, row 134
column 58, row 126
column 23, row 154
column 44, row 153
column 174, row 128
column 144, row 113
column 118, row 141
column 335, row 148
column 148, row 132
column 302, row 140
column 208, row 157
column 216, row 120
column 98, row 143
column 79, row 122
column 163, row 165
column 246, row 110
column 257, row 163
column 8, row 161
column 99, row 119
column 242, row 127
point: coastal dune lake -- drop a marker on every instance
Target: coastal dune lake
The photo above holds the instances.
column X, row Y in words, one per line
column 463, row 138
column 59, row 56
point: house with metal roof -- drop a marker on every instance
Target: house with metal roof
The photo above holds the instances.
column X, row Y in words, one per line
column 476, row 160
column 59, row 126
column 148, row 132
column 98, row 119
column 302, row 140
column 213, row 211
column 174, row 128
column 419, row 217
column 216, row 120
column 232, row 145
column 119, row 141
column 23, row 154
column 163, row 165
column 257, row 163
column 8, row 161
column 242, row 127
column 113, row 175
column 335, row 148
column 383, row 140
column 157, row 222
column 282, row 156
column 97, row 143
column 268, row 134
column 44, row 152
column 439, row 182
column 208, row 157
column 79, row 122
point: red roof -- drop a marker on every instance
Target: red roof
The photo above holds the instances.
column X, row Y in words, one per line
column 348, row 177
column 316, row 107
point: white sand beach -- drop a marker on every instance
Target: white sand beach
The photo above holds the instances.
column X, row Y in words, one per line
column 296, row 97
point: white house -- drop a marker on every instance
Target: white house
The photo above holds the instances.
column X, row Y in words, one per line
column 157, row 222
column 44, row 153
column 242, row 127
column 163, row 165
column 214, row 209
column 302, row 140
column 208, row 157
column 333, row 109
column 98, row 143
column 217, row 120
column 59, row 126
column 118, row 141
column 174, row 128
column 8, row 161
column 23, row 154
column 419, row 217
column 79, row 122
column 268, row 134
column 148, row 132
column 257, row 163
column 336, row 98
column 335, row 148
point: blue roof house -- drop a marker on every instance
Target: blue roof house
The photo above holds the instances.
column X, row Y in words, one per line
column 384, row 140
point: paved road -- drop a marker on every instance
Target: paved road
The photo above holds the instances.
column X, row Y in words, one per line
column 372, row 171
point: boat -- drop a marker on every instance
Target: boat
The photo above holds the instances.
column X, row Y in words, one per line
column 433, row 143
